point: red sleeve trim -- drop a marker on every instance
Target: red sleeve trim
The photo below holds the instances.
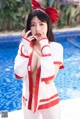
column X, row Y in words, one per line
column 50, row 104
column 25, row 38
column 50, row 98
column 45, row 55
column 26, row 56
column 60, row 63
column 61, row 67
column 18, row 77
column 47, row 78
column 44, row 47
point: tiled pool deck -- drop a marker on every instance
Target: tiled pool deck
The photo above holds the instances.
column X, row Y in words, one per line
column 70, row 109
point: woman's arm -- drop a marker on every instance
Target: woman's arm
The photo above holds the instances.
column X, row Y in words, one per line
column 47, row 65
column 22, row 58
column 57, row 55
column 20, row 63
column 56, row 66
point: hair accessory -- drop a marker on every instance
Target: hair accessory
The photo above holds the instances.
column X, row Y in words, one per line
column 51, row 12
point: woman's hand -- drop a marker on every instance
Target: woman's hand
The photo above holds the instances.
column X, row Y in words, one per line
column 27, row 36
column 26, row 39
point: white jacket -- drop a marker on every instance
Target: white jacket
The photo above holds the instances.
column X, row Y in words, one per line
column 45, row 95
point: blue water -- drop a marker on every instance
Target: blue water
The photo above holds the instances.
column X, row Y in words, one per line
column 67, row 80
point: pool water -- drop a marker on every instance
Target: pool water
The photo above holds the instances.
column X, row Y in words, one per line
column 67, row 80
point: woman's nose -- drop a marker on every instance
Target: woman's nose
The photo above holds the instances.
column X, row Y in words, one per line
column 37, row 28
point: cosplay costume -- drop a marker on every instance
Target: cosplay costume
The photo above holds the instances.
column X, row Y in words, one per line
column 41, row 96
column 45, row 95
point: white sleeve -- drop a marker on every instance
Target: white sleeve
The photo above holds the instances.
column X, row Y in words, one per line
column 47, row 65
column 20, row 63
column 57, row 53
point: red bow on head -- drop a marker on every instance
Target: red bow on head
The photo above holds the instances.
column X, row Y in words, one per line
column 50, row 11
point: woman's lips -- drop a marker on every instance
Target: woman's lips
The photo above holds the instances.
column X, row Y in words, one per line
column 38, row 34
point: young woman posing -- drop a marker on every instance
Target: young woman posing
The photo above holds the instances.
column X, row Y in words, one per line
column 38, row 61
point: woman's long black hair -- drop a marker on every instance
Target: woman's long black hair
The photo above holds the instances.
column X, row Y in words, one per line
column 42, row 17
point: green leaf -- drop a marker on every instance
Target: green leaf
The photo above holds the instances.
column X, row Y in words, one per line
column 13, row 15
column 51, row 2
column 18, row 0
column 22, row 24
column 68, row 10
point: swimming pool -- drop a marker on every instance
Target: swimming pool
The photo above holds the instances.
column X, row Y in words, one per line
column 67, row 80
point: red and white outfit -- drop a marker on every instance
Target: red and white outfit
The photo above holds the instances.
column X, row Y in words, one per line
column 45, row 99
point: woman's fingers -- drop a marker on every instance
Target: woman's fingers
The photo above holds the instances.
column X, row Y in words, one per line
column 43, row 34
column 31, row 38
column 27, row 33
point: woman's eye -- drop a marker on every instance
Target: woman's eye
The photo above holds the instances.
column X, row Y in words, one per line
column 32, row 25
column 41, row 24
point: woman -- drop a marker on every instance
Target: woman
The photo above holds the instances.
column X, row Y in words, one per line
column 38, row 60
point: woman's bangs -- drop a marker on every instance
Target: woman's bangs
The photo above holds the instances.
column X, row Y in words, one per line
column 41, row 16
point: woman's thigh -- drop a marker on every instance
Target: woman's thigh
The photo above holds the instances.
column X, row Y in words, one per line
column 52, row 112
column 28, row 114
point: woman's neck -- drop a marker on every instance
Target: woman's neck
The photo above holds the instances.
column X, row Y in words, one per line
column 37, row 48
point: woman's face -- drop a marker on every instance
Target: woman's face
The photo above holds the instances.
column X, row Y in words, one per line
column 38, row 26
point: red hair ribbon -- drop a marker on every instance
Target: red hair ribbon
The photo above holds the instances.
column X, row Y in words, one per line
column 49, row 11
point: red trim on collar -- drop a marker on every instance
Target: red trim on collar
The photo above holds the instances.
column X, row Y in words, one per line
column 35, row 95
column 37, row 88
column 30, row 83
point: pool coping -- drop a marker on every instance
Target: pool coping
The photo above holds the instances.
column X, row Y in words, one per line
column 14, row 33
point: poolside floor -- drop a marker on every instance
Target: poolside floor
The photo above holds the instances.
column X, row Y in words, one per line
column 70, row 109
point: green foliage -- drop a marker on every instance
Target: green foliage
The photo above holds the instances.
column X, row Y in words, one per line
column 65, row 10
column 65, row 16
column 13, row 14
column 51, row 2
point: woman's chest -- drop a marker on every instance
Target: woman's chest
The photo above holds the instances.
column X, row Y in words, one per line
column 36, row 55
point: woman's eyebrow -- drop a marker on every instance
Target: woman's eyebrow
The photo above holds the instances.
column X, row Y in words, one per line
column 33, row 22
